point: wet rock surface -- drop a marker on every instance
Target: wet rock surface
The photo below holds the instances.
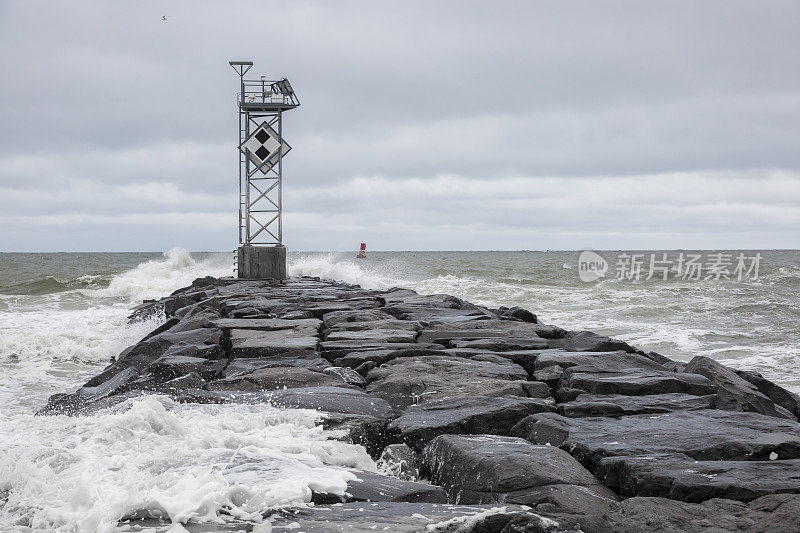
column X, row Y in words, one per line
column 473, row 411
column 487, row 469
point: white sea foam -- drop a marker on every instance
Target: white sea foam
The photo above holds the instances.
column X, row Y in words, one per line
column 185, row 463
column 328, row 266
column 45, row 350
column 158, row 278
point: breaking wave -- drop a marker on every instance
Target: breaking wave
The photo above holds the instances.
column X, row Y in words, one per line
column 157, row 278
column 329, row 266
column 193, row 463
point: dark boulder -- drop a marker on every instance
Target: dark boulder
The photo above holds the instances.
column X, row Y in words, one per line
column 587, row 341
column 502, row 344
column 357, row 358
column 734, row 393
column 620, row 405
column 679, row 477
column 483, row 329
column 371, row 487
column 201, row 319
column 162, row 328
column 612, row 361
column 389, row 323
column 419, row 424
column 304, row 359
column 389, row 336
column 633, row 382
column 204, row 343
column 488, row 468
column 173, row 304
column 774, row 514
column 333, row 350
column 302, row 327
column 780, row 396
column 258, row 343
column 169, row 366
column 75, row 403
column 273, row 378
column 517, row 313
column 403, row 382
column 395, row 517
column 349, row 316
column 706, row 434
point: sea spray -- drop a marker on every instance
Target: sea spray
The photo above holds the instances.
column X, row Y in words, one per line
column 333, row 266
column 183, row 462
column 157, row 278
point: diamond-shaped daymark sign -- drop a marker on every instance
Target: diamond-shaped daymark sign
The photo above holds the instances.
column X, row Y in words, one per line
column 262, row 147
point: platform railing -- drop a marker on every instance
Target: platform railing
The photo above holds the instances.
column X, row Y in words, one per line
column 276, row 92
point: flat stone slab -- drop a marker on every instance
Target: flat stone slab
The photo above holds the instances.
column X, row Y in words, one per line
column 706, row 434
column 305, row 359
column 325, row 399
column 403, row 382
column 320, row 309
column 389, row 323
column 374, row 335
column 620, row 405
column 333, row 350
column 419, row 424
column 483, row 329
column 502, row 344
column 273, row 378
column 776, row 513
column 358, row 316
column 356, row 359
column 394, row 517
column 257, row 343
column 371, row 487
column 635, row 382
column 489, row 468
column 437, row 316
column 305, row 326
column 680, row 477
column 611, row 361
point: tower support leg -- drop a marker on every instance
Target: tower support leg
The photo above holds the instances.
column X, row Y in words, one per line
column 262, row 262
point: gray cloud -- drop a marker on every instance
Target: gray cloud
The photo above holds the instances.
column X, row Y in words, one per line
column 423, row 124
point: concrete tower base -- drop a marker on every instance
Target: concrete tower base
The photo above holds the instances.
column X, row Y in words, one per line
column 262, row 262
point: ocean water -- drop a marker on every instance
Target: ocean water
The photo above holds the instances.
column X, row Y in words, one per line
column 62, row 316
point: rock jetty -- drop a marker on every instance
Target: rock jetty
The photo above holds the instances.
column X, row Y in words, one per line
column 489, row 420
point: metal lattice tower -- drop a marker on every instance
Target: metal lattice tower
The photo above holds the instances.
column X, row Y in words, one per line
column 261, row 151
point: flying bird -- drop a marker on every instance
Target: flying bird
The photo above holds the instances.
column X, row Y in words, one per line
column 164, row 17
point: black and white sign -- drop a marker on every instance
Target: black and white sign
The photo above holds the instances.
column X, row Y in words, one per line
column 262, row 147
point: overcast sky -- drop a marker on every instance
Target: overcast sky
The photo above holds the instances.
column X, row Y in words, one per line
column 423, row 125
